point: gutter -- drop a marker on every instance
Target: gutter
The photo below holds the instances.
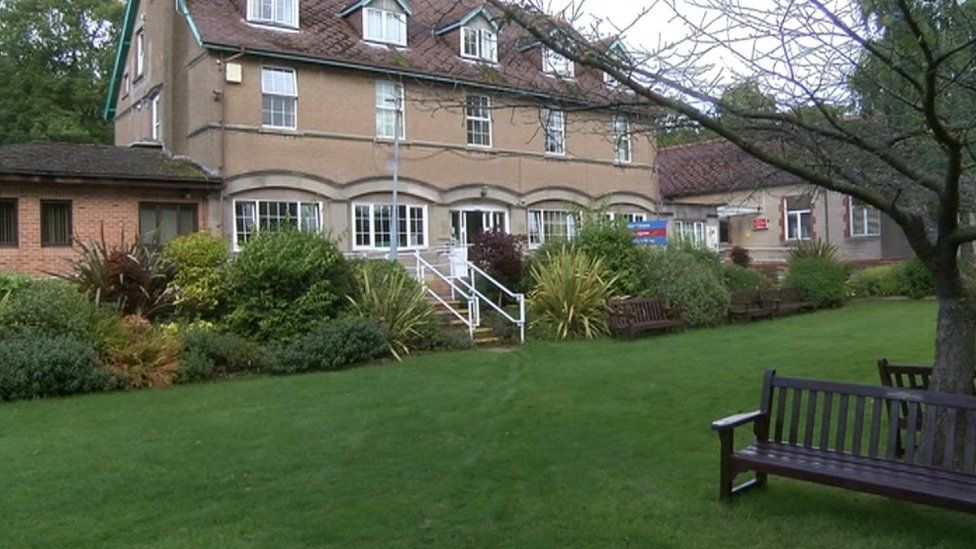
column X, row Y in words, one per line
column 161, row 181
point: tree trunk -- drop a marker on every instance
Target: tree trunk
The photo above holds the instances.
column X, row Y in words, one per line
column 955, row 339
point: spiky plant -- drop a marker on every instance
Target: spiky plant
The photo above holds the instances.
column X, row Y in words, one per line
column 813, row 248
column 570, row 296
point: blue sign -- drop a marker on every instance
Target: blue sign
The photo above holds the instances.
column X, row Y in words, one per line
column 649, row 233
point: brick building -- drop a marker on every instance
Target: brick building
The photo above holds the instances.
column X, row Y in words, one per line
column 53, row 195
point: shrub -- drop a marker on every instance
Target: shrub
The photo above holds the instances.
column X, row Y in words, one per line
column 500, row 255
column 813, row 248
column 135, row 277
column 284, row 281
column 690, row 280
column 917, row 279
column 49, row 306
column 819, row 280
column 881, row 281
column 11, row 282
column 208, row 354
column 613, row 245
column 147, row 358
column 200, row 261
column 570, row 296
column 332, row 345
column 740, row 256
column 387, row 293
column 35, row 364
column 436, row 337
column 738, row 279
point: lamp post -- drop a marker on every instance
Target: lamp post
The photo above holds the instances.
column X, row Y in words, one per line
column 395, row 217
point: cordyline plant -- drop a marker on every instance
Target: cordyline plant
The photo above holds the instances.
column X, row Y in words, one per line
column 569, row 300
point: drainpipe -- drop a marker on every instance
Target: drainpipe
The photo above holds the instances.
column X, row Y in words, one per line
column 222, row 97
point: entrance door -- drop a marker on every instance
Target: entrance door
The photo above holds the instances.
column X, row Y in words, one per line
column 466, row 225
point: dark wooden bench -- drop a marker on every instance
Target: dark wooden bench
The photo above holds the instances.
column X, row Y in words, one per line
column 846, row 435
column 749, row 305
column 630, row 316
column 785, row 300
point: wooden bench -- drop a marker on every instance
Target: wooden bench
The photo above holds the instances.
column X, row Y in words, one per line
column 785, row 300
column 846, row 435
column 749, row 305
column 630, row 316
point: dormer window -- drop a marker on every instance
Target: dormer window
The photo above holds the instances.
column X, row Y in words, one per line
column 384, row 21
column 479, row 44
column 557, row 64
column 282, row 13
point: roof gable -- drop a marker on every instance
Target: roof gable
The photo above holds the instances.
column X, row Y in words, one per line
column 480, row 11
column 360, row 4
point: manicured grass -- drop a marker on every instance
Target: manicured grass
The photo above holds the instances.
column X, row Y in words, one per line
column 578, row 444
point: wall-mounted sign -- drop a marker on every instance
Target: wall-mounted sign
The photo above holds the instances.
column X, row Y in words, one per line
column 760, row 224
column 650, row 233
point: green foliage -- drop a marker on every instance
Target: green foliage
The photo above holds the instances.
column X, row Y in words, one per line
column 332, row 345
column 569, row 300
column 283, row 282
column 135, row 276
column 35, row 364
column 818, row 279
column 880, row 281
column 199, row 280
column 436, row 337
column 688, row 278
column 208, row 354
column 10, row 282
column 917, row 279
column 55, row 60
column 49, row 306
column 387, row 293
column 813, row 248
column 739, row 279
column 613, row 244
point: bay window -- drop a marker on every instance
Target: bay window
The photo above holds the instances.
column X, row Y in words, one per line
column 373, row 226
column 252, row 216
column 551, row 225
column 799, row 217
column 865, row 219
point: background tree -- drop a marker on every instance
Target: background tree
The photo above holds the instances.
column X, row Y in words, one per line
column 874, row 99
column 55, row 63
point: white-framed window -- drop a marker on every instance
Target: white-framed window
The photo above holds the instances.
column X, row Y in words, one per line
column 140, row 58
column 551, row 225
column 384, row 22
column 865, row 219
column 622, row 152
column 690, row 231
column 390, row 101
column 477, row 114
column 156, row 118
column 556, row 64
column 628, row 217
column 126, row 84
column 554, row 126
column 279, row 98
column 799, row 217
column 373, row 226
column 273, row 12
column 252, row 216
column 479, row 44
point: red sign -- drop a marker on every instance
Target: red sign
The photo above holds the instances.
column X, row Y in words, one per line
column 760, row 224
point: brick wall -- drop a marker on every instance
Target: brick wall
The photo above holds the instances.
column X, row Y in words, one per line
column 114, row 208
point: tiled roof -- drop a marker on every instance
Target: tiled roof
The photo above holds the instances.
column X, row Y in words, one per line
column 98, row 161
column 712, row 167
column 326, row 36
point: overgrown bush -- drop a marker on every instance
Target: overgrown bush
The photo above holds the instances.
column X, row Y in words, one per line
column 284, row 281
column 501, row 255
column 569, row 300
column 689, row 279
column 332, row 345
column 613, row 244
column 437, row 337
column 813, row 248
column 149, row 357
column 917, row 279
column 208, row 354
column 34, row 364
column 739, row 279
column 135, row 277
column 200, row 261
column 819, row 280
column 880, row 281
column 386, row 292
column 49, row 306
column 10, row 282
column 740, row 256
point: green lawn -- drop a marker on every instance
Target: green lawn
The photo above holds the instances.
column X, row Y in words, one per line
column 577, row 444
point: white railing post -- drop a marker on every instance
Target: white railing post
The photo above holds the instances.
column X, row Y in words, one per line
column 522, row 317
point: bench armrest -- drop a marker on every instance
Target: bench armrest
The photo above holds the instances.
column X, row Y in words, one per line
column 737, row 420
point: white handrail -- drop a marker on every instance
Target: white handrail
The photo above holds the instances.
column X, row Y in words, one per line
column 472, row 321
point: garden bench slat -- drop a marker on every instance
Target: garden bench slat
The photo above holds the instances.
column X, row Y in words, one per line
column 631, row 316
column 951, row 484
